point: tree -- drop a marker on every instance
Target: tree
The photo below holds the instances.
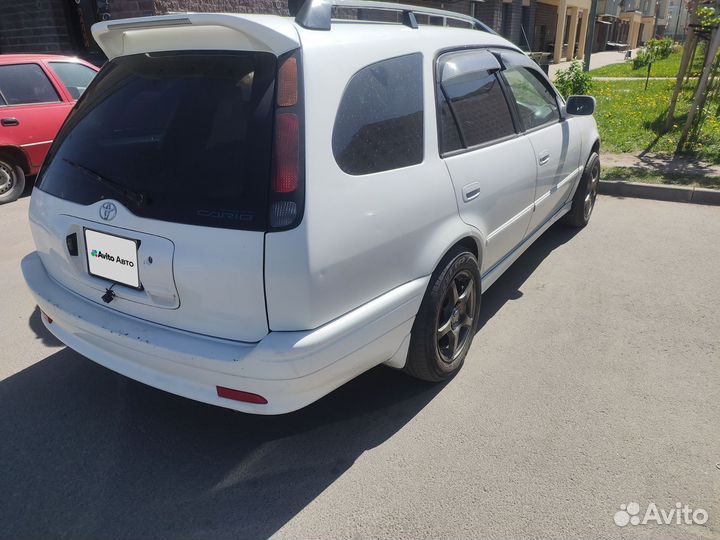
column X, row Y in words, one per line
column 704, row 26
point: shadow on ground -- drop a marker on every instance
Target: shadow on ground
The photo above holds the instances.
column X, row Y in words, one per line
column 36, row 325
column 89, row 453
column 508, row 286
column 676, row 164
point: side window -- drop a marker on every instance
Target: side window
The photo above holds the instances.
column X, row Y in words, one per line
column 75, row 77
column 23, row 84
column 473, row 108
column 379, row 124
column 536, row 104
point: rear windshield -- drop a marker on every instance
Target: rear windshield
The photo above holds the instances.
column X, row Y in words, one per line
column 183, row 137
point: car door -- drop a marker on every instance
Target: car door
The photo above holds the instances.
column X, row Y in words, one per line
column 556, row 149
column 492, row 168
column 31, row 110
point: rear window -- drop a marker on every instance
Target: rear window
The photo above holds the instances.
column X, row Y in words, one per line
column 379, row 124
column 182, row 137
column 25, row 84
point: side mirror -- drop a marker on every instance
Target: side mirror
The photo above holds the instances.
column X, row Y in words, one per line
column 580, row 105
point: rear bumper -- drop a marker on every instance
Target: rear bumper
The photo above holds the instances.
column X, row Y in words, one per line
column 289, row 369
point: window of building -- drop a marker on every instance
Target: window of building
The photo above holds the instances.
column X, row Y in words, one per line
column 25, row 84
column 525, row 28
column 379, row 124
column 506, row 19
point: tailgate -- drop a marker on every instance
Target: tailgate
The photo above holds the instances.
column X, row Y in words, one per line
column 161, row 178
column 198, row 279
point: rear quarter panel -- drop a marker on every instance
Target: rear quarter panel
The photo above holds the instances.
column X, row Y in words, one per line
column 361, row 236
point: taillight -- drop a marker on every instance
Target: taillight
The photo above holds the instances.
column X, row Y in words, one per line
column 287, row 187
column 287, row 153
column 287, row 81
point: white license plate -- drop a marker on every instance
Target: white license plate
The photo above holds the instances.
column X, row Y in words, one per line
column 112, row 257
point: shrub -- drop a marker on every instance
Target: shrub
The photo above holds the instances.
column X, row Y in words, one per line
column 662, row 48
column 642, row 58
column 573, row 81
column 708, row 17
column 656, row 49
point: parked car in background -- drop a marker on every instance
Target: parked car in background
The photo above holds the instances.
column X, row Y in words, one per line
column 37, row 91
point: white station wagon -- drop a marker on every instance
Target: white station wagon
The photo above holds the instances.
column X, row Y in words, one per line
column 251, row 210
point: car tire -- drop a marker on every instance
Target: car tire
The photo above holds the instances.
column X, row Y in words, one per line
column 447, row 320
column 12, row 181
column 584, row 199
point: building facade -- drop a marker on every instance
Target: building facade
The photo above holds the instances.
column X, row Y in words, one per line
column 627, row 24
column 555, row 27
column 677, row 14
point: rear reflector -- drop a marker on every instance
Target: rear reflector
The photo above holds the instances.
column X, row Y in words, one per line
column 282, row 213
column 287, row 81
column 239, row 395
column 46, row 317
column 287, row 153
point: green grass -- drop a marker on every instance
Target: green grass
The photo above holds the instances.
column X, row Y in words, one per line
column 645, row 176
column 667, row 67
column 630, row 118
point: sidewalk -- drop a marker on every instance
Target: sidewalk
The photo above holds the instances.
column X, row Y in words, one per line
column 660, row 163
column 597, row 60
column 638, row 78
column 684, row 179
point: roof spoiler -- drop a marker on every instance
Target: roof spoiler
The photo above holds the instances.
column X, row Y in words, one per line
column 197, row 31
column 317, row 14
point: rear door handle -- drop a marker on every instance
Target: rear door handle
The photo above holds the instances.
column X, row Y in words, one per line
column 10, row 122
column 470, row 191
column 543, row 158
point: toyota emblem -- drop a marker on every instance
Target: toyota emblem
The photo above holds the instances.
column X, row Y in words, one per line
column 108, row 211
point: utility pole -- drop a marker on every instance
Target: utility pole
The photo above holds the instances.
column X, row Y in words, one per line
column 677, row 23
column 657, row 12
column 590, row 38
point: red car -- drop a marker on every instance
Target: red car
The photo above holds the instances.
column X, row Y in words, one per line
column 37, row 91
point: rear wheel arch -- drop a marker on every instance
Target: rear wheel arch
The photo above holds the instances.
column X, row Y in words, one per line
column 465, row 241
column 469, row 243
column 16, row 156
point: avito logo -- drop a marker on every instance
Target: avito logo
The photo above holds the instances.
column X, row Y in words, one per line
column 630, row 514
column 106, row 256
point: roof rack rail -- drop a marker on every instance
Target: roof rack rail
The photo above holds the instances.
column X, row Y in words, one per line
column 317, row 14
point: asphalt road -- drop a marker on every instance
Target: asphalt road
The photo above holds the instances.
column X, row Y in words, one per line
column 594, row 382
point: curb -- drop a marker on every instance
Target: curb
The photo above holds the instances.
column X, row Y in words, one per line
column 660, row 192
